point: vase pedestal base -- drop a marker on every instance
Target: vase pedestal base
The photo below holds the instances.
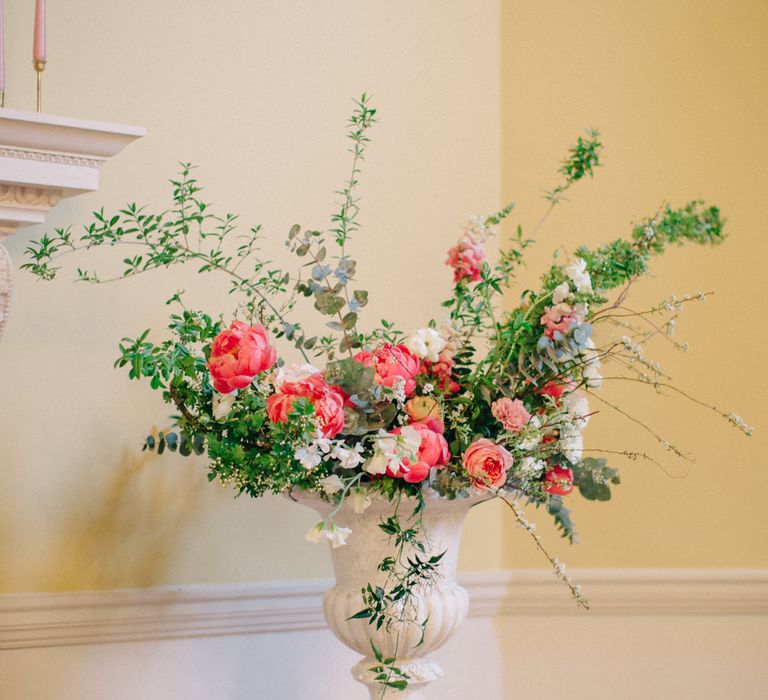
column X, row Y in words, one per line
column 421, row 672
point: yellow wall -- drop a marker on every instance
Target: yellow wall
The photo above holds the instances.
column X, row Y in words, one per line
column 680, row 91
column 256, row 94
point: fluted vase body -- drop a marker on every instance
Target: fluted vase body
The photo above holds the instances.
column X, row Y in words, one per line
column 443, row 604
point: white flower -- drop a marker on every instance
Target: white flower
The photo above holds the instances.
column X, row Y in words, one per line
column 331, row 484
column 398, row 390
column 561, row 293
column 591, row 374
column 309, row 456
column 322, row 443
column 577, row 406
column 390, row 450
column 476, row 230
column 337, row 535
column 577, row 271
column 293, row 373
column 534, row 424
column 531, row 467
column 359, row 499
column 315, row 533
column 349, row 457
column 426, row 343
column 222, row 404
column 572, row 446
column 591, row 366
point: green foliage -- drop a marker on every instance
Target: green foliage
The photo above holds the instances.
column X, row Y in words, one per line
column 592, row 477
column 562, row 517
column 582, row 159
column 615, row 263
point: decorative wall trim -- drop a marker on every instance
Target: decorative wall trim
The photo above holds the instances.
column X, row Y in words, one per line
column 63, row 619
column 48, row 157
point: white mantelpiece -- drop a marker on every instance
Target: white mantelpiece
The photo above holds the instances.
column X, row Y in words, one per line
column 44, row 158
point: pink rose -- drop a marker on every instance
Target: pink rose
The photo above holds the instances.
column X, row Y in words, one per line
column 238, row 355
column 487, row 464
column 392, row 362
column 433, row 452
column 510, row 413
column 559, row 481
column 466, row 259
column 327, row 401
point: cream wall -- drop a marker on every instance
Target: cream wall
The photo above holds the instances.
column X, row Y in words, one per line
column 257, row 95
column 680, row 91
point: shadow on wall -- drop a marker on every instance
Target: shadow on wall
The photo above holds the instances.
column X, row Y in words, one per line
column 126, row 536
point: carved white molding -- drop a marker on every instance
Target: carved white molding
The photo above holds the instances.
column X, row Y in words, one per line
column 43, row 159
column 43, row 156
column 35, row 620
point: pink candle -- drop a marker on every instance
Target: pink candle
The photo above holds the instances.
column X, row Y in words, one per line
column 38, row 51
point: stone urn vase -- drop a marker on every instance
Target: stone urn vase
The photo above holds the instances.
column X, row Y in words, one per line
column 443, row 603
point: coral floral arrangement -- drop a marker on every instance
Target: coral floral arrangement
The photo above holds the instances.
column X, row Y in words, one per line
column 479, row 400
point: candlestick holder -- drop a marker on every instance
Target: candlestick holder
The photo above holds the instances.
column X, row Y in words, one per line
column 39, row 68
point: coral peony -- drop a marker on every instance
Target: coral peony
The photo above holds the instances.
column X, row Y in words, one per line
column 511, row 414
column 327, row 401
column 466, row 259
column 559, row 481
column 433, row 452
column 238, row 354
column 392, row 363
column 487, row 464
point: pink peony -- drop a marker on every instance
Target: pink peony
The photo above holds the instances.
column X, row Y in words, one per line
column 328, row 402
column 392, row 362
column 559, row 481
column 510, row 413
column 238, row 355
column 433, row 452
column 466, row 259
column 487, row 464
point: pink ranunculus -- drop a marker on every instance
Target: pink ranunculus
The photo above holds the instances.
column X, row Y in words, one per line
column 487, row 464
column 392, row 362
column 559, row 481
column 510, row 413
column 433, row 452
column 327, row 401
column 466, row 259
column 238, row 354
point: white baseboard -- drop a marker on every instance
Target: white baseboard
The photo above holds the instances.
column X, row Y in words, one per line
column 209, row 610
